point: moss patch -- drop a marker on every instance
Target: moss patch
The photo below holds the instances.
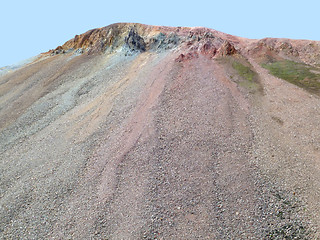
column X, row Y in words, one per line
column 300, row 74
column 243, row 71
column 247, row 78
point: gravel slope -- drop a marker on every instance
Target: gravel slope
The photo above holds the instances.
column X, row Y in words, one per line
column 147, row 147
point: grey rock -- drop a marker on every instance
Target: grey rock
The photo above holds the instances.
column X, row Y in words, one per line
column 135, row 42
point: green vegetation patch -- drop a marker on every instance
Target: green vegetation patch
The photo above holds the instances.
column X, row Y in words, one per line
column 243, row 71
column 300, row 74
column 240, row 71
column 248, row 77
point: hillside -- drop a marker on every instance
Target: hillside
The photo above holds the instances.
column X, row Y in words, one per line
column 145, row 132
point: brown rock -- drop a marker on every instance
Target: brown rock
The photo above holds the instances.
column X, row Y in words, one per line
column 226, row 49
column 208, row 49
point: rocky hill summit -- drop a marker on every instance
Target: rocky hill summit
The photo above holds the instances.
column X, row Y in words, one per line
column 134, row 38
column 140, row 38
column 133, row 131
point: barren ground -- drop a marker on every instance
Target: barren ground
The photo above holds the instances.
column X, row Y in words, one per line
column 147, row 147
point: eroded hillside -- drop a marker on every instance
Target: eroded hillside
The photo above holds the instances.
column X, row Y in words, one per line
column 143, row 132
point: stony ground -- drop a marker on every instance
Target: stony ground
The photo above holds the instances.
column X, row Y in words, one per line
column 147, row 147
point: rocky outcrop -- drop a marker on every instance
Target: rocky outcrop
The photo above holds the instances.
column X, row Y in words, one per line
column 132, row 38
column 208, row 49
column 164, row 41
column 140, row 38
column 297, row 50
column 135, row 42
column 226, row 49
column 185, row 57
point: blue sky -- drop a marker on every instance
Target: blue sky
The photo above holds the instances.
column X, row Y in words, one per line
column 31, row 27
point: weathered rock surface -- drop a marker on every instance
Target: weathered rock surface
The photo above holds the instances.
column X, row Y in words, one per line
column 135, row 42
column 144, row 132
